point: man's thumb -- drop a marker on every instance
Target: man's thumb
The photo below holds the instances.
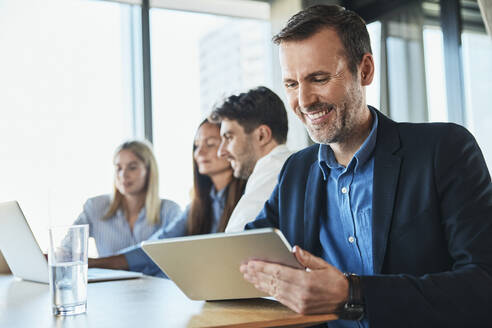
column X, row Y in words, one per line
column 308, row 260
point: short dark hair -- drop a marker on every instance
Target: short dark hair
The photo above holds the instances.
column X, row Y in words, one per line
column 350, row 27
column 253, row 108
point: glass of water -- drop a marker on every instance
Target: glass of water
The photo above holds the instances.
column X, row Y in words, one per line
column 67, row 259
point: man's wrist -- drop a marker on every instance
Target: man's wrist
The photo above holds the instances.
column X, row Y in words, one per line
column 354, row 308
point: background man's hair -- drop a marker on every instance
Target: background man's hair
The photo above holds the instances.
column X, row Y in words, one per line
column 253, row 108
column 350, row 27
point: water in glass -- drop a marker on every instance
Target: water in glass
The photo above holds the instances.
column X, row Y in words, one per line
column 68, row 287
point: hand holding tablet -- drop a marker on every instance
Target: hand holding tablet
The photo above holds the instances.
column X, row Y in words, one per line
column 206, row 267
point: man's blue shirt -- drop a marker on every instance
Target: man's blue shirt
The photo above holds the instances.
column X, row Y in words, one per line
column 346, row 216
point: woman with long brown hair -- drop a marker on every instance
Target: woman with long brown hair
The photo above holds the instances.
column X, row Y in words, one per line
column 215, row 191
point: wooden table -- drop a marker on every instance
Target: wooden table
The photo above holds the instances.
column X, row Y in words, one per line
column 145, row 302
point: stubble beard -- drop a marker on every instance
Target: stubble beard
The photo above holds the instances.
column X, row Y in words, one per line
column 345, row 123
column 333, row 132
column 245, row 169
column 246, row 162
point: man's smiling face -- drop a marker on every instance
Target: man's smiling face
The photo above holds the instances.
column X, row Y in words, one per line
column 321, row 89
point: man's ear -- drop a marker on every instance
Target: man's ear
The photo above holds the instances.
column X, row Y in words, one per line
column 263, row 134
column 366, row 69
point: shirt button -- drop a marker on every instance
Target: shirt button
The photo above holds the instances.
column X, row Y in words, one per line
column 344, row 190
column 351, row 239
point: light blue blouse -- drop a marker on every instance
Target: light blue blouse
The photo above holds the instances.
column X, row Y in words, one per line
column 113, row 234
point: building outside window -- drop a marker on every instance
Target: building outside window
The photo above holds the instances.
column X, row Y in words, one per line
column 197, row 60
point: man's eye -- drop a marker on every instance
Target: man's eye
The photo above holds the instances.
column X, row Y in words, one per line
column 320, row 79
column 290, row 85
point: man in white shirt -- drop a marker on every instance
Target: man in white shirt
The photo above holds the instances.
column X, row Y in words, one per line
column 254, row 131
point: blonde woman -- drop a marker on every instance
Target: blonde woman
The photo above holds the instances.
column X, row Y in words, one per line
column 134, row 212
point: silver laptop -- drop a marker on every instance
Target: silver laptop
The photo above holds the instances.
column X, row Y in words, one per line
column 24, row 256
column 206, row 267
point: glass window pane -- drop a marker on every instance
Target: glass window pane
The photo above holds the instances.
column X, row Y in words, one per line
column 64, row 107
column 477, row 52
column 405, row 66
column 434, row 74
column 197, row 59
column 373, row 90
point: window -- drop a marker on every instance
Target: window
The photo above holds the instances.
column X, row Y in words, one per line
column 406, row 85
column 65, row 105
column 197, row 60
column 373, row 90
column 434, row 74
column 477, row 51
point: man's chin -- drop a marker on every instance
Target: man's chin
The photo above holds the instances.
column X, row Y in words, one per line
column 316, row 136
column 321, row 139
column 240, row 174
column 236, row 173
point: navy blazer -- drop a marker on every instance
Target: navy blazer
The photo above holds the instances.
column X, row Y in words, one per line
column 431, row 224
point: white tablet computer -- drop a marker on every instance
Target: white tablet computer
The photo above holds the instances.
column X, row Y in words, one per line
column 206, row 267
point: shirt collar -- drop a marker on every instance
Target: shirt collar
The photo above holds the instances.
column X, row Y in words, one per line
column 277, row 150
column 217, row 196
column 327, row 160
column 121, row 214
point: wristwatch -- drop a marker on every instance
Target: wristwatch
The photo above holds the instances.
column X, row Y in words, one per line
column 353, row 309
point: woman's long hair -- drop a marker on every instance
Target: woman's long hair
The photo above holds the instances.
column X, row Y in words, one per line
column 152, row 201
column 200, row 217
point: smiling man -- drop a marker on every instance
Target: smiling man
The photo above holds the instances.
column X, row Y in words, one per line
column 254, row 131
column 392, row 220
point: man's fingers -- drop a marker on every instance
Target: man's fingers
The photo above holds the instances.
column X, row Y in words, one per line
column 284, row 292
column 282, row 282
column 279, row 271
column 301, row 291
column 271, row 284
column 256, row 271
column 271, row 278
column 289, row 294
column 309, row 260
column 319, row 291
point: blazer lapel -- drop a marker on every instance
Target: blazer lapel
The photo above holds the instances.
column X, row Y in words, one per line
column 314, row 196
column 386, row 172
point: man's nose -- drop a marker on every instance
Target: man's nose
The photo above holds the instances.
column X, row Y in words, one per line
column 306, row 96
column 222, row 152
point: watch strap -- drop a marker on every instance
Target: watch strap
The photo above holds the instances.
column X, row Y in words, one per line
column 353, row 309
